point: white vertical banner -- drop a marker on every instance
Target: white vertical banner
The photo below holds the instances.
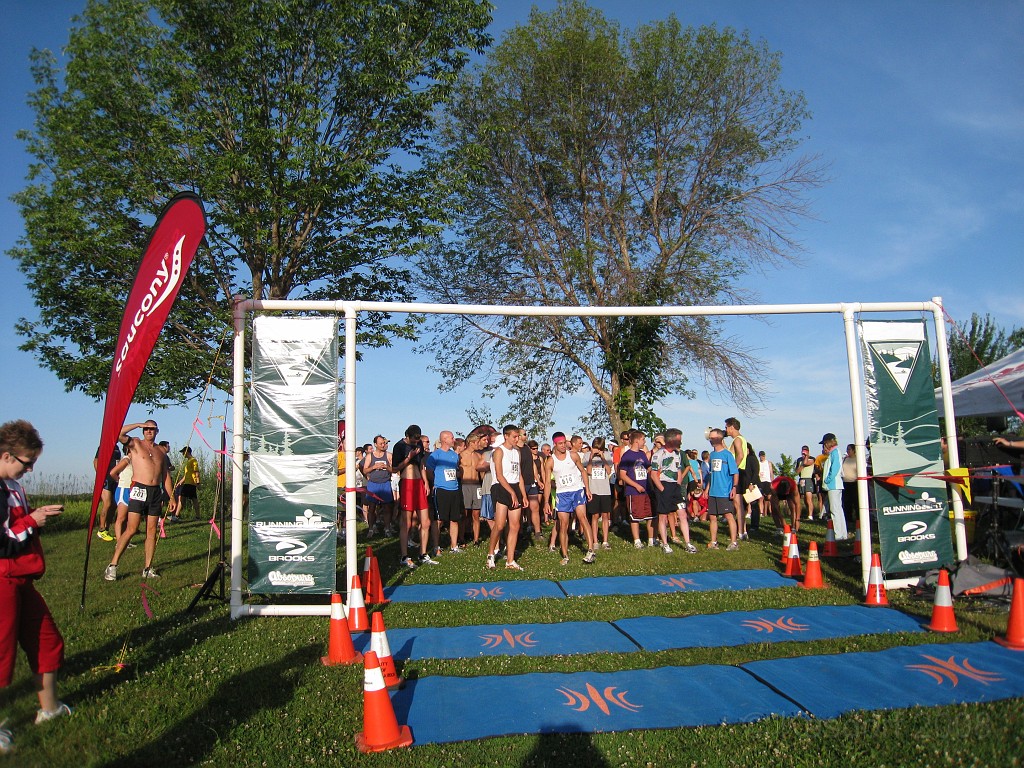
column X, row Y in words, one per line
column 293, row 446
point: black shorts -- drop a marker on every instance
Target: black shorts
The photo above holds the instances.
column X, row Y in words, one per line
column 717, row 506
column 670, row 499
column 145, row 500
column 500, row 496
column 447, row 505
column 600, row 505
column 110, row 485
column 187, row 491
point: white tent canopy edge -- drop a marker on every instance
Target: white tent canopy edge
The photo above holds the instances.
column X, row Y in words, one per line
column 351, row 310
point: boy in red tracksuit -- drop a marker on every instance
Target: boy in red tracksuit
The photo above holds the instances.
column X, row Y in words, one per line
column 24, row 616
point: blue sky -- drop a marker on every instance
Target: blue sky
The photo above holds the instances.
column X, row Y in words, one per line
column 917, row 107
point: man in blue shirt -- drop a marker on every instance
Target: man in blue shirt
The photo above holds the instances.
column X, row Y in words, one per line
column 721, row 488
column 832, row 482
column 442, row 472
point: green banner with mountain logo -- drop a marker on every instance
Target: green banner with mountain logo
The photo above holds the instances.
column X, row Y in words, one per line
column 906, row 458
column 293, row 444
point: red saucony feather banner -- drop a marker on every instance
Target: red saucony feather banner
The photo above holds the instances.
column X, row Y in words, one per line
column 168, row 255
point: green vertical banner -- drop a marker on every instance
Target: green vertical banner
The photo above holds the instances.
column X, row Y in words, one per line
column 906, row 456
column 293, row 454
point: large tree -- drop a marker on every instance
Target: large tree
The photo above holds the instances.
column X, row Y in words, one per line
column 300, row 123
column 605, row 168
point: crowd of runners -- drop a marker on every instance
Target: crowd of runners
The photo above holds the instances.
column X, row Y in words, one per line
column 500, row 490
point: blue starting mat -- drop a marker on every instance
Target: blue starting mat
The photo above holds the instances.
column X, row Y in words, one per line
column 563, row 639
column 919, row 675
column 680, row 582
column 443, row 709
column 657, row 633
column 488, row 590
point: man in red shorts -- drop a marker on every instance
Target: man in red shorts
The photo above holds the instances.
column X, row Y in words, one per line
column 407, row 460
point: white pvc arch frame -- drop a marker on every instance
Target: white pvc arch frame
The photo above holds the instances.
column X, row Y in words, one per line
column 351, row 310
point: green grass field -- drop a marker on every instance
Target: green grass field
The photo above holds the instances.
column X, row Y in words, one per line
column 199, row 689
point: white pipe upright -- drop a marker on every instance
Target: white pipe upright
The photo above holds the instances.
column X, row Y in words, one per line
column 350, row 451
column 241, row 308
column 857, row 406
column 942, row 351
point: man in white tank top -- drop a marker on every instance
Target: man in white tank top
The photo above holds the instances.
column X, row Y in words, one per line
column 508, row 494
column 573, row 493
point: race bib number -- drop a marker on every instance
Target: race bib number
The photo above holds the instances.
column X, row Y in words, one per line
column 716, row 465
column 565, row 481
column 598, row 473
column 451, row 475
column 480, row 493
column 137, row 493
column 641, row 473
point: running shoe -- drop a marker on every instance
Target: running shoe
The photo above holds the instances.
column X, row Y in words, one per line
column 426, row 559
column 712, row 545
column 676, row 540
column 638, row 544
column 104, row 534
column 652, row 542
column 6, row 739
column 150, row 573
column 456, row 550
column 666, row 549
column 552, row 548
column 512, row 565
column 733, row 546
column 110, row 572
column 691, row 549
column 407, row 562
column 589, row 557
column 565, row 561
column 490, row 562
column 606, row 545
column 62, row 709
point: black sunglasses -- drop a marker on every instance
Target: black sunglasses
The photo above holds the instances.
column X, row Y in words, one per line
column 25, row 464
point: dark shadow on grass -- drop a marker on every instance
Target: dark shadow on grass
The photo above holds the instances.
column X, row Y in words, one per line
column 90, row 673
column 237, row 700
column 564, row 749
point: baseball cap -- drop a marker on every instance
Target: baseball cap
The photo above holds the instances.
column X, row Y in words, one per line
column 828, row 436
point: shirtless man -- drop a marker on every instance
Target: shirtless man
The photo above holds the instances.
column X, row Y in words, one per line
column 407, row 460
column 144, row 498
column 739, row 452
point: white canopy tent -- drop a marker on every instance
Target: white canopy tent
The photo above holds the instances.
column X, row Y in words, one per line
column 978, row 393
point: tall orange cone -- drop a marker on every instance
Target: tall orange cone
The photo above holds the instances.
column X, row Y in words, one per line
column 876, row 584
column 856, row 539
column 372, row 582
column 813, row 580
column 786, row 535
column 379, row 645
column 358, row 621
column 831, row 548
column 943, row 619
column 339, row 646
column 1014, row 638
column 793, row 563
column 380, row 726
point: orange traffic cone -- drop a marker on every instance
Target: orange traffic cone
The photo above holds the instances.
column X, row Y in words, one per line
column 372, row 582
column 1014, row 638
column 380, row 726
column 793, row 563
column 786, row 534
column 813, row 580
column 358, row 621
column 856, row 539
column 876, row 584
column 339, row 646
column 379, row 645
column 831, row 549
column 943, row 619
